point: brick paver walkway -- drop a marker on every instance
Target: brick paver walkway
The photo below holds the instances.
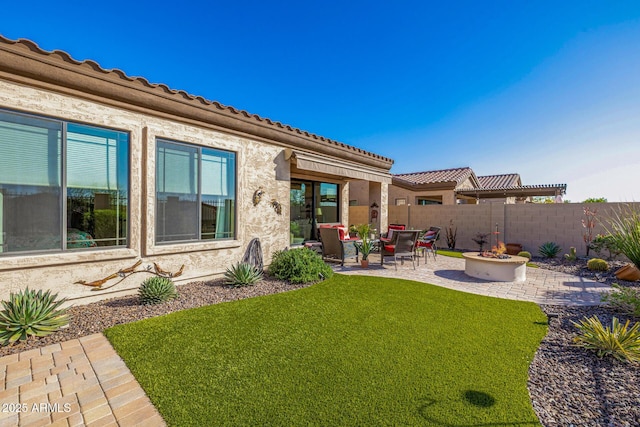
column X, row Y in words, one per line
column 84, row 382
column 80, row 382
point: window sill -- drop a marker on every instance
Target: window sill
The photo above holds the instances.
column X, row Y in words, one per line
column 175, row 248
column 19, row 261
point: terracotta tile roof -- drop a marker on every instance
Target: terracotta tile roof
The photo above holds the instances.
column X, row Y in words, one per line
column 455, row 175
column 25, row 53
column 500, row 181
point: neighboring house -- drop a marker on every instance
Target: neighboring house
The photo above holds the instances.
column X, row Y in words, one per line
column 99, row 171
column 462, row 186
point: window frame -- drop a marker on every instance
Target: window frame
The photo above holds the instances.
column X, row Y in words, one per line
column 199, row 147
column 63, row 198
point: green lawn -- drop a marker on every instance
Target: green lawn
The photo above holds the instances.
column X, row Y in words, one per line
column 352, row 350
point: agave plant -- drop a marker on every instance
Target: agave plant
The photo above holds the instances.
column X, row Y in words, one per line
column 619, row 341
column 549, row 249
column 31, row 313
column 242, row 274
column 156, row 290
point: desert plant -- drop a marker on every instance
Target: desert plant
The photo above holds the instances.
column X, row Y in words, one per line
column 597, row 264
column 451, row 235
column 624, row 227
column 589, row 223
column 571, row 256
column 156, row 290
column 242, row 274
column 607, row 242
column 30, row 313
column 549, row 249
column 525, row 254
column 623, row 299
column 299, row 266
column 619, row 341
column 481, row 239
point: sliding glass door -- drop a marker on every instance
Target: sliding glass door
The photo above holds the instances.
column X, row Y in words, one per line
column 312, row 203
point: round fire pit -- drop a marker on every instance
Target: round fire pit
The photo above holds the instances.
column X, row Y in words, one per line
column 512, row 269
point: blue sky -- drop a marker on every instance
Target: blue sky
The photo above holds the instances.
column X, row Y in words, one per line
column 548, row 89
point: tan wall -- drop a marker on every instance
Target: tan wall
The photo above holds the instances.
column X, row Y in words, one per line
column 395, row 192
column 528, row 224
column 359, row 192
column 259, row 164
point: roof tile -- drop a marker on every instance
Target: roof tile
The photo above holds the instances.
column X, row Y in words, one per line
column 457, row 175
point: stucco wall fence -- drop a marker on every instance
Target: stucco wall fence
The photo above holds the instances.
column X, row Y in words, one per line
column 531, row 225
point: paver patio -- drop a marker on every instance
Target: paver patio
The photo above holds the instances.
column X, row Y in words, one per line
column 542, row 286
column 85, row 382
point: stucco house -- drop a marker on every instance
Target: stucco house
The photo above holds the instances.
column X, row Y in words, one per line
column 100, row 171
column 462, row 186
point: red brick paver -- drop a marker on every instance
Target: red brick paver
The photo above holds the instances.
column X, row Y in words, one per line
column 80, row 382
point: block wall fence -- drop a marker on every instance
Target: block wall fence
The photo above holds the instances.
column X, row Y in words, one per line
column 530, row 224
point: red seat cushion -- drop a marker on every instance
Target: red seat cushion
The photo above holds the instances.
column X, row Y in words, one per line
column 390, row 248
column 343, row 232
column 422, row 244
column 392, row 228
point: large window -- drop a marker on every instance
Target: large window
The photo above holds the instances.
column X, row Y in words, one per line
column 195, row 193
column 312, row 203
column 62, row 185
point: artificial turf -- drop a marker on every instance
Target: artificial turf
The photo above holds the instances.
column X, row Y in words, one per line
column 352, row 350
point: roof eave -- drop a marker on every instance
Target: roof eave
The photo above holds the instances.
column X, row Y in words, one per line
column 24, row 62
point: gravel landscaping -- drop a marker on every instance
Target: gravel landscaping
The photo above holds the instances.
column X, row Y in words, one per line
column 569, row 386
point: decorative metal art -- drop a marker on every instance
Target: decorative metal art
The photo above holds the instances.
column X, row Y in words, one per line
column 277, row 206
column 257, row 196
column 98, row 285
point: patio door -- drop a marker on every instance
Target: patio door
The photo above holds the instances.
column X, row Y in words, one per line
column 312, row 203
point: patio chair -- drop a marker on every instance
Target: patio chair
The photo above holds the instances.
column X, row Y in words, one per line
column 428, row 243
column 402, row 246
column 334, row 249
column 388, row 237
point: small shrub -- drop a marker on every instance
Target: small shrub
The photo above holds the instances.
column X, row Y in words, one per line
column 525, row 254
column 30, row 313
column 597, row 264
column 571, row 256
column 619, row 341
column 549, row 249
column 242, row 274
column 299, row 266
column 608, row 243
column 156, row 290
column 623, row 299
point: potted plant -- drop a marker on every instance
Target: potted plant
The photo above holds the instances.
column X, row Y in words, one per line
column 365, row 246
column 353, row 231
column 514, row 248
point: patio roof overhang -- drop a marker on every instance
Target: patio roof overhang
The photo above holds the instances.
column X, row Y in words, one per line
column 523, row 191
column 331, row 166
